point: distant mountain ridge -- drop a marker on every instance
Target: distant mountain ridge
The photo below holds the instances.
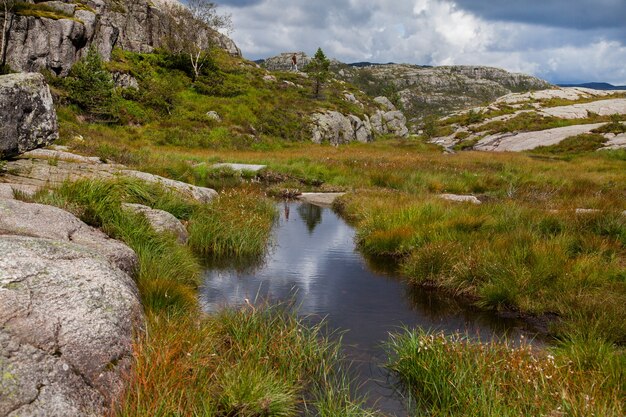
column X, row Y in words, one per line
column 596, row 86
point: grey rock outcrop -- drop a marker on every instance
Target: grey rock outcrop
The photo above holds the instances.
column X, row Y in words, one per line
column 337, row 129
column 439, row 90
column 35, row 169
column 27, row 116
column 56, row 44
column 37, row 220
column 282, row 62
column 161, row 221
column 390, row 122
column 67, row 318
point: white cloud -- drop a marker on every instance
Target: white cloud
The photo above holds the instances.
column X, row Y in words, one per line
column 426, row 32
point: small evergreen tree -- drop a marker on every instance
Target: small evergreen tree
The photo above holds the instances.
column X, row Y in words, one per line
column 319, row 70
column 90, row 85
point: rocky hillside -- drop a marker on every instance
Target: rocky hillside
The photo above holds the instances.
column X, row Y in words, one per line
column 55, row 34
column 558, row 120
column 422, row 91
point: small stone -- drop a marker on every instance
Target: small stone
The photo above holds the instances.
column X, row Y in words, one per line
column 461, row 198
column 213, row 115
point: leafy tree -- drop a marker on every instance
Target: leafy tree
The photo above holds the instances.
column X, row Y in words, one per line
column 319, row 70
column 190, row 32
column 91, row 86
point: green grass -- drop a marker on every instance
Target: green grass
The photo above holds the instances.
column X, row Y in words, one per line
column 586, row 142
column 455, row 376
column 236, row 224
column 504, row 256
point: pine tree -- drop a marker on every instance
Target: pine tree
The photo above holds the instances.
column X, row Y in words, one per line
column 319, row 70
column 91, row 86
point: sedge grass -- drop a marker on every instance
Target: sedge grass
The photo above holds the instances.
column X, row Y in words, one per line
column 455, row 376
column 236, row 224
column 252, row 361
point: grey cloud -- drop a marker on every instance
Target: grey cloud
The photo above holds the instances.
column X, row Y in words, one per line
column 532, row 36
column 579, row 14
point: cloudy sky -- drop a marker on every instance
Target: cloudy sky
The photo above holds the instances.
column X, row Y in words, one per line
column 558, row 40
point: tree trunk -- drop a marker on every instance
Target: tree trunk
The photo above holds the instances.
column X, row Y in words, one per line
column 5, row 32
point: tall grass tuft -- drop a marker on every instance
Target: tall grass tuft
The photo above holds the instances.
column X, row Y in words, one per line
column 454, row 376
column 252, row 361
column 237, row 224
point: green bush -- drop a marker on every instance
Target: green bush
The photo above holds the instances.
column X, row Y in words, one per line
column 90, row 86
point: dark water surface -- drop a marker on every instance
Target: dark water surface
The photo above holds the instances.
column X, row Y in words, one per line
column 313, row 261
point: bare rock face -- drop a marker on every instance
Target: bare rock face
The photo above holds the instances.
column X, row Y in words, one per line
column 56, row 44
column 27, row 116
column 66, row 327
column 337, row 129
column 282, row 62
column 391, row 122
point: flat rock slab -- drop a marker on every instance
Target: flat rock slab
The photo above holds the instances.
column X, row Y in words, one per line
column 582, row 110
column 47, row 167
column 461, row 198
column 565, row 93
column 319, row 199
column 67, row 318
column 522, row 141
column 241, row 167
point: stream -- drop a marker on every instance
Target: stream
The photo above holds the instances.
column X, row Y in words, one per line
column 313, row 262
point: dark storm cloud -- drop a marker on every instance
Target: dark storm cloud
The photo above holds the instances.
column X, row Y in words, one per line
column 579, row 14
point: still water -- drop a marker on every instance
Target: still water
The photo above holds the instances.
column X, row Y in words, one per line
column 313, row 261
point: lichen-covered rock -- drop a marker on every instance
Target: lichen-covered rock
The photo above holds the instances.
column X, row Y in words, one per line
column 386, row 103
column 27, row 116
column 337, row 129
column 161, row 221
column 391, row 122
column 67, row 318
column 282, row 62
column 37, row 220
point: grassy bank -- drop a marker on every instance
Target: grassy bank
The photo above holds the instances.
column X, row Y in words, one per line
column 453, row 376
column 254, row 361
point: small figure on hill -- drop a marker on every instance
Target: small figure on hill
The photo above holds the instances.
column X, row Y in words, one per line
column 294, row 63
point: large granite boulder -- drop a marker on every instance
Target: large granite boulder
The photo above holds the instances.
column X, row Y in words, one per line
column 38, row 220
column 335, row 128
column 27, row 116
column 390, row 122
column 67, row 317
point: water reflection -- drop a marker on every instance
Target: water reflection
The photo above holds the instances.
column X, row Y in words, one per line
column 313, row 262
column 311, row 215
